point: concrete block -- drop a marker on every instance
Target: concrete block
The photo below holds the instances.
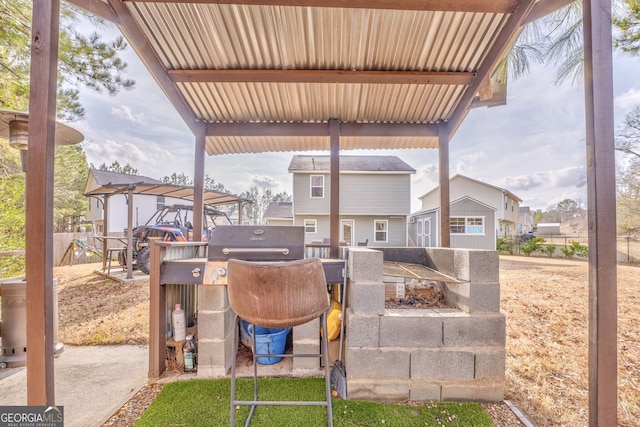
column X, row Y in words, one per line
column 306, row 363
column 382, row 364
column 211, row 297
column 441, row 259
column 476, row 391
column 365, row 264
column 474, row 265
column 471, row 297
column 442, row 365
column 490, row 364
column 363, row 330
column 424, row 391
column 479, row 329
column 215, row 324
column 377, row 390
column 309, row 330
column 214, row 355
column 366, row 297
column 410, row 328
column 403, row 254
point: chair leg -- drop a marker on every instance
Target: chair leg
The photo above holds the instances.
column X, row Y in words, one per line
column 327, row 370
column 255, row 375
column 232, row 410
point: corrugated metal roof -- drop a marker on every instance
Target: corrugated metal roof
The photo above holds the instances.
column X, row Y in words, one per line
column 187, row 36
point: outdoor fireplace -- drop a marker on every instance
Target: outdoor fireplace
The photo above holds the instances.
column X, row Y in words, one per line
column 454, row 350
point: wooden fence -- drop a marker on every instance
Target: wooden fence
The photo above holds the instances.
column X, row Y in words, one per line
column 86, row 249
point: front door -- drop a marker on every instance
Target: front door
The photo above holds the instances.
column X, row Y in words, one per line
column 347, row 231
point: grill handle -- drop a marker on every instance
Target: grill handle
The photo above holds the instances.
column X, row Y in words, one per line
column 283, row 251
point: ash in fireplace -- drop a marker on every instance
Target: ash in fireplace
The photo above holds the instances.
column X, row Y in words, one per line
column 417, row 293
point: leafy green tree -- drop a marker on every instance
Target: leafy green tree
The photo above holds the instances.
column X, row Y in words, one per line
column 116, row 167
column 83, row 60
column 628, row 24
column 12, row 222
column 70, row 179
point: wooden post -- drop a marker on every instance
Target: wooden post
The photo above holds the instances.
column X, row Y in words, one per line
column 601, row 197
column 334, row 215
column 105, row 232
column 39, row 202
column 198, row 184
column 130, row 232
column 157, row 312
column 443, row 169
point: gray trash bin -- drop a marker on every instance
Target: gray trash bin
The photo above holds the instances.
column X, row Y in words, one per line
column 13, row 293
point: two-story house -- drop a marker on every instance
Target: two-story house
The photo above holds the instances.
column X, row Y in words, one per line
column 479, row 213
column 375, row 199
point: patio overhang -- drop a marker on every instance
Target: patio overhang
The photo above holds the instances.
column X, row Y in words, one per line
column 298, row 75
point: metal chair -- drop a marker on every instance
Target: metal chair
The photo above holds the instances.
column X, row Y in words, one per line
column 278, row 295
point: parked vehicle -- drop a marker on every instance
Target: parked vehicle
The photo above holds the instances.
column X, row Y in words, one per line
column 527, row 236
column 169, row 224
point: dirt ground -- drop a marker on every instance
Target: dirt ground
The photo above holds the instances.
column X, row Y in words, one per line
column 545, row 301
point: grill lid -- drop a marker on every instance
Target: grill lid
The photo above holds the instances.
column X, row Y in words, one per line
column 256, row 243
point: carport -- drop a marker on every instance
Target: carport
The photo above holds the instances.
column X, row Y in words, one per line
column 256, row 76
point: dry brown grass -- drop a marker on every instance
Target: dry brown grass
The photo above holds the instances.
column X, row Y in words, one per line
column 94, row 310
column 546, row 304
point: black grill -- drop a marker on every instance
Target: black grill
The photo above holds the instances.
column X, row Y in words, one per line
column 256, row 243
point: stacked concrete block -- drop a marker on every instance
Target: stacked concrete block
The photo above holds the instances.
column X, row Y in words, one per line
column 306, row 341
column 426, row 354
column 215, row 331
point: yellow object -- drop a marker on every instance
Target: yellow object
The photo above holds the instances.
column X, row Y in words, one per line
column 334, row 321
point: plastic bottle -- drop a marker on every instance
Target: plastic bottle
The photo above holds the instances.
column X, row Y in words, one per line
column 179, row 324
column 189, row 353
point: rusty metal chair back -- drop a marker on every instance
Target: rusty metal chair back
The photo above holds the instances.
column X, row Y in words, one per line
column 278, row 295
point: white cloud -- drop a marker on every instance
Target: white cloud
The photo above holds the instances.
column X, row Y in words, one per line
column 628, row 99
column 263, row 182
column 125, row 112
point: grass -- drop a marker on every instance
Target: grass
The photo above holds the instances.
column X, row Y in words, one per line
column 206, row 402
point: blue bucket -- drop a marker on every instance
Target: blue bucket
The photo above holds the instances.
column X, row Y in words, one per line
column 268, row 341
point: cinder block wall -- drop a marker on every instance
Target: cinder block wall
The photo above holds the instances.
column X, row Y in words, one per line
column 426, row 354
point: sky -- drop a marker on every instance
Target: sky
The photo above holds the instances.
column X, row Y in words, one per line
column 534, row 146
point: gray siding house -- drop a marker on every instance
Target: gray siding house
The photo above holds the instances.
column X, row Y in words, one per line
column 473, row 225
column 375, row 199
column 279, row 213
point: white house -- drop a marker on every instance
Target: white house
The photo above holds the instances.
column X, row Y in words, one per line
column 375, row 198
column 479, row 213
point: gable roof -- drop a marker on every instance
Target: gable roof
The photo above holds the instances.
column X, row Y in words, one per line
column 462, row 177
column 437, row 208
column 279, row 210
column 383, row 164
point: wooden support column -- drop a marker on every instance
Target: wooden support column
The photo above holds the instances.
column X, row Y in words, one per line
column 39, row 202
column 198, row 184
column 130, row 232
column 157, row 312
column 105, row 231
column 601, row 207
column 443, row 174
column 334, row 215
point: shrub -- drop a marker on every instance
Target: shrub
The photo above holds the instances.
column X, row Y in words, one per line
column 575, row 248
column 549, row 249
column 504, row 244
column 532, row 245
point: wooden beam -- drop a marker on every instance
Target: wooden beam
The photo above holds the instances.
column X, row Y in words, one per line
column 147, row 55
column 334, row 215
column 323, row 129
column 96, row 7
column 544, row 7
column 157, row 313
column 39, row 202
column 601, row 209
column 322, row 76
column 130, row 231
column 198, row 185
column 481, row 6
column 500, row 46
column 443, row 177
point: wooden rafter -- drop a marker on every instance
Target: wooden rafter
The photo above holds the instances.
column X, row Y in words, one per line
column 321, row 76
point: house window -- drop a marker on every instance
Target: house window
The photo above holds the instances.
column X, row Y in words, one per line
column 467, row 225
column 317, row 186
column 159, row 202
column 381, row 228
column 311, row 226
